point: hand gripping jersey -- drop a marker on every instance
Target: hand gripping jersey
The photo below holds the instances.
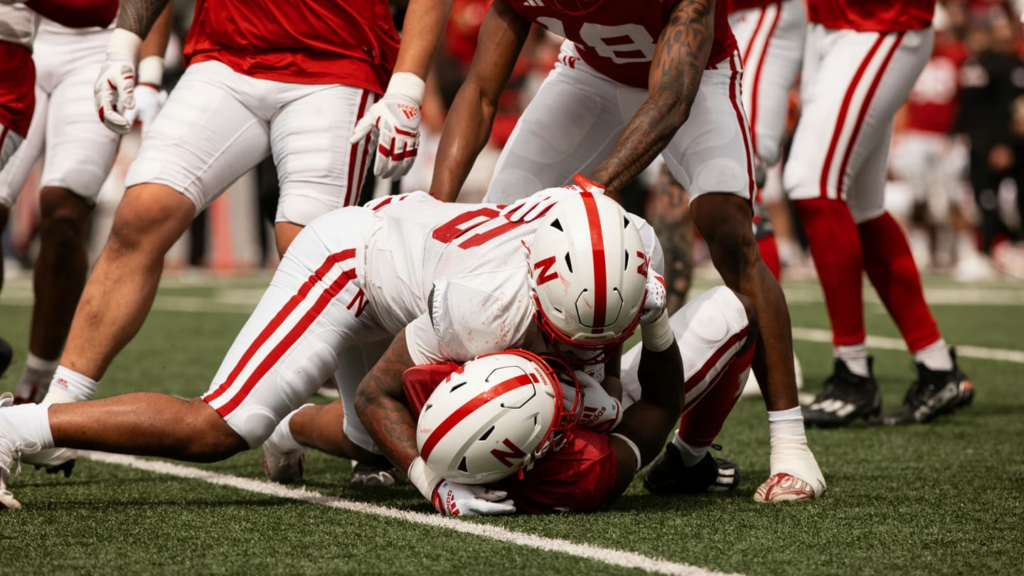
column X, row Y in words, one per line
column 618, row 37
column 461, row 272
column 871, row 15
column 351, row 42
column 579, row 477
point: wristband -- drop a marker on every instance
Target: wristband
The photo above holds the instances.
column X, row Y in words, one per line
column 657, row 336
column 423, row 478
column 151, row 71
column 124, row 43
column 786, row 426
column 407, row 85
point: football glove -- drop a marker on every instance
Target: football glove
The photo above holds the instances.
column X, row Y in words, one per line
column 148, row 102
column 454, row 499
column 114, row 90
column 600, row 410
column 394, row 122
column 536, row 205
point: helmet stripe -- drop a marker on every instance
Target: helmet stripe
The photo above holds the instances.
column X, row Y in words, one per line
column 469, row 407
column 600, row 274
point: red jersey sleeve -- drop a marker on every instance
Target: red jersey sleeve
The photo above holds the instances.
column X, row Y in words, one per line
column 578, row 478
column 17, row 88
column 871, row 15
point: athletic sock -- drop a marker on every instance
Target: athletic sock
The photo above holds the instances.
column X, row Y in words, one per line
column 282, row 438
column 70, row 386
column 690, row 455
column 935, row 356
column 36, row 377
column 27, row 426
column 855, row 357
column 836, row 251
column 891, row 268
column 770, row 255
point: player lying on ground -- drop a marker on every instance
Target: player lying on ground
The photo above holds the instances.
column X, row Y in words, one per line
column 460, row 280
column 714, row 333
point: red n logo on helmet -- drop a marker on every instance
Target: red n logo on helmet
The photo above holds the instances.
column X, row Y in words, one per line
column 504, row 457
column 546, row 275
column 645, row 262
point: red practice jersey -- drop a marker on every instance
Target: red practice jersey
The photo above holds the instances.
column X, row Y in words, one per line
column 618, row 37
column 350, row 42
column 580, row 477
column 932, row 104
column 17, row 89
column 871, row 15
column 737, row 5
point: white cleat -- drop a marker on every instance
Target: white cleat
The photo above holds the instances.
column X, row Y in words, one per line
column 55, row 460
column 283, row 467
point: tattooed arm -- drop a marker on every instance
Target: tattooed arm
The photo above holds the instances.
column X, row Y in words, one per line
column 138, row 16
column 676, row 70
column 380, row 403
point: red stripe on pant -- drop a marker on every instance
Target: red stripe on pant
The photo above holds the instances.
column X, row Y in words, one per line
column 703, row 421
column 841, row 120
column 744, row 127
column 276, row 322
column 693, row 381
column 753, row 37
column 352, row 191
column 864, row 111
column 757, row 72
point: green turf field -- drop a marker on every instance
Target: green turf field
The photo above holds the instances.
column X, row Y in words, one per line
column 942, row 499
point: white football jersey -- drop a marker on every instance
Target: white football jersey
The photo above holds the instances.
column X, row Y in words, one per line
column 18, row 24
column 457, row 276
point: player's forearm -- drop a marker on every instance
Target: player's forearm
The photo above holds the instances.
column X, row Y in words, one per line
column 139, row 16
column 466, row 131
column 650, row 420
column 380, row 405
column 421, row 35
column 151, row 55
column 676, row 71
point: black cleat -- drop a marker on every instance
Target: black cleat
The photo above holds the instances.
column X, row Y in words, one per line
column 6, row 356
column 933, row 394
column 372, row 476
column 668, row 475
column 846, row 398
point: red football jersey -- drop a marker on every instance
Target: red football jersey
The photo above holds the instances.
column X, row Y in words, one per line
column 578, row 478
column 618, row 37
column 871, row 15
column 352, row 42
column 17, row 88
column 932, row 104
column 737, row 5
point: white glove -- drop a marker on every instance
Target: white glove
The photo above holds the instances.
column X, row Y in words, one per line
column 114, row 90
column 600, row 410
column 795, row 474
column 657, row 298
column 395, row 124
column 148, row 102
column 378, row 203
column 454, row 499
column 537, row 204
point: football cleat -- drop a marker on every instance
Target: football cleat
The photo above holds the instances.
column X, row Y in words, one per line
column 6, row 356
column 668, row 475
column 283, row 466
column 933, row 394
column 783, row 488
column 54, row 460
column 846, row 398
column 372, row 476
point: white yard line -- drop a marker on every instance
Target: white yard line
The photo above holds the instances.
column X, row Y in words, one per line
column 884, row 343
column 604, row 555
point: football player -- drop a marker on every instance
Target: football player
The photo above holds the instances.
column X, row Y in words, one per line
column 79, row 154
column 601, row 454
column 861, row 61
column 442, row 281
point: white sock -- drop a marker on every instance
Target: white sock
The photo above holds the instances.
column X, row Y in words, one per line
column 855, row 357
column 27, row 425
column 282, row 438
column 70, row 386
column 36, row 377
column 690, row 455
column 935, row 356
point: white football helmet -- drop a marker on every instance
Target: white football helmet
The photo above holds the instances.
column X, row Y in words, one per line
column 491, row 417
column 588, row 272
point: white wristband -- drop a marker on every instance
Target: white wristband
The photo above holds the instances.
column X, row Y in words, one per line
column 124, row 43
column 407, row 85
column 657, row 336
column 787, row 426
column 423, row 478
column 151, row 71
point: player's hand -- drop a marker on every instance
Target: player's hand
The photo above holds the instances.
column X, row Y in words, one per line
column 378, row 203
column 657, row 298
column 394, row 122
column 536, row 205
column 795, row 474
column 114, row 92
column 148, row 101
column 600, row 410
column 454, row 499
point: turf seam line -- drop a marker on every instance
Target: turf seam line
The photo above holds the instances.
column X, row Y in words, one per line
column 608, row 556
column 885, row 343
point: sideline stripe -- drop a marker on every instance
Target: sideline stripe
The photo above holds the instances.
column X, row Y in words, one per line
column 885, row 343
column 604, row 555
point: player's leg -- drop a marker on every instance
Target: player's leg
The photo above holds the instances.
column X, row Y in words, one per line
column 79, row 154
column 203, row 140
column 318, row 169
column 712, row 158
